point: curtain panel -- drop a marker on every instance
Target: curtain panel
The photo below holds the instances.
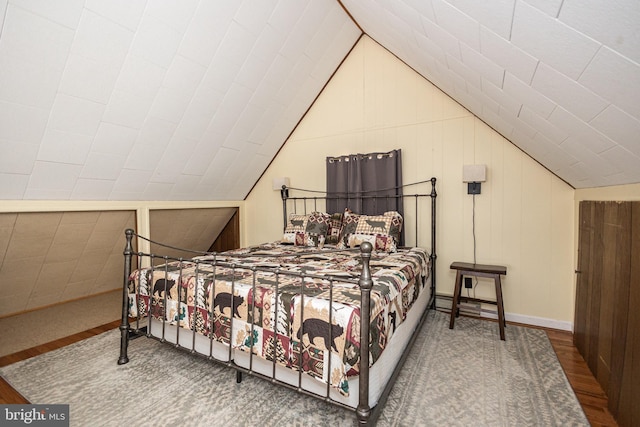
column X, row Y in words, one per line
column 354, row 179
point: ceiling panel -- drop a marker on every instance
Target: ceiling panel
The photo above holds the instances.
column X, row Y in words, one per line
column 612, row 23
column 551, row 41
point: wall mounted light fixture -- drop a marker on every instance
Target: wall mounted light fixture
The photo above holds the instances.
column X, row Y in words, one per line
column 279, row 182
column 282, row 184
column 474, row 175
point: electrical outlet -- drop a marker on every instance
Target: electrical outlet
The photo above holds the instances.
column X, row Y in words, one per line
column 468, row 283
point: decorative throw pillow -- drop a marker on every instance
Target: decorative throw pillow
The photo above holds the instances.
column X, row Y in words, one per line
column 349, row 224
column 382, row 231
column 396, row 225
column 335, row 228
column 307, row 230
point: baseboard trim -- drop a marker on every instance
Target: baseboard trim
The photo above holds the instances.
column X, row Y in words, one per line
column 542, row 322
column 533, row 321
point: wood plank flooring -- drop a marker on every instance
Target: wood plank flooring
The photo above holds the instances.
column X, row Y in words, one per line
column 587, row 389
column 585, row 386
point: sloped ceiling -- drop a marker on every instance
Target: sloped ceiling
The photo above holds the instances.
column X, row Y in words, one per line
column 190, row 100
column 558, row 78
column 157, row 99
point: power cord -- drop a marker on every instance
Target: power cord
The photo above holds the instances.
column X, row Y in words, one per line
column 473, row 222
column 473, row 230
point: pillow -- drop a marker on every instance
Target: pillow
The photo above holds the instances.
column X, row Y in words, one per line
column 382, row 231
column 335, row 228
column 307, row 230
column 349, row 224
column 396, row 225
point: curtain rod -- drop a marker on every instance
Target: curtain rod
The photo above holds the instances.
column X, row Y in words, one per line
column 359, row 156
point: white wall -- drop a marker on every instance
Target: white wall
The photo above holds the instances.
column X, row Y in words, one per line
column 524, row 216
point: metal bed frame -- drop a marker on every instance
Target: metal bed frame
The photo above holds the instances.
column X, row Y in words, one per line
column 131, row 328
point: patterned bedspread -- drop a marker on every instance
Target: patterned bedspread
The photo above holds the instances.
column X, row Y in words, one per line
column 242, row 299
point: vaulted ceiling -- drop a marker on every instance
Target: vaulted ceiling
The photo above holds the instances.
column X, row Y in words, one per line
column 191, row 99
column 558, row 78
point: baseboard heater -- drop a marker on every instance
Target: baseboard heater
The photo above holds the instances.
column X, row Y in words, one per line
column 443, row 303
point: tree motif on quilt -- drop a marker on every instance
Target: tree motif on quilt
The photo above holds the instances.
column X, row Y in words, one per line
column 275, row 346
column 141, row 308
column 280, row 312
column 199, row 320
column 275, row 322
column 138, row 295
column 192, row 294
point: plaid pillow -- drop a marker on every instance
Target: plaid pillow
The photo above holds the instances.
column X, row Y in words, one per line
column 307, row 230
column 349, row 224
column 335, row 228
column 396, row 224
column 382, row 231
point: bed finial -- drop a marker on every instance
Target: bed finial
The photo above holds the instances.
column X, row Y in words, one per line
column 365, row 281
column 284, row 192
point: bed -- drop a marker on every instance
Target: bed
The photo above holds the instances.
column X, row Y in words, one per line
column 296, row 311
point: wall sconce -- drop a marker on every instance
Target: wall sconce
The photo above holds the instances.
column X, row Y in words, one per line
column 278, row 183
column 474, row 175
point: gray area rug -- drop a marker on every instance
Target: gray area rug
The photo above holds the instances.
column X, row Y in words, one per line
column 460, row 377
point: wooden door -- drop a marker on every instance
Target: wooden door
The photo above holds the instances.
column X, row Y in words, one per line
column 623, row 402
column 606, row 292
column 588, row 284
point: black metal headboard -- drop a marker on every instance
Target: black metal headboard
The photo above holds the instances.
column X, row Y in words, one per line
column 317, row 202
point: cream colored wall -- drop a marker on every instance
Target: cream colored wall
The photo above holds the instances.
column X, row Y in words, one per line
column 629, row 192
column 620, row 193
column 524, row 216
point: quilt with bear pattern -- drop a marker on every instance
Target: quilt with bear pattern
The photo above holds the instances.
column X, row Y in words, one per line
column 298, row 306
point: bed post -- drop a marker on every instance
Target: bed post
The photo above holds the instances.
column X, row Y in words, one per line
column 366, row 283
column 284, row 193
column 433, row 256
column 124, row 325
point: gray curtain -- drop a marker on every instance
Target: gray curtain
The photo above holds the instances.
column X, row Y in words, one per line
column 360, row 182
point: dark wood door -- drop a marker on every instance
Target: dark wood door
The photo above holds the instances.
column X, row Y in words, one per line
column 626, row 371
column 605, row 320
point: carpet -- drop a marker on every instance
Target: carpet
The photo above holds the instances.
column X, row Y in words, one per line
column 58, row 321
column 465, row 377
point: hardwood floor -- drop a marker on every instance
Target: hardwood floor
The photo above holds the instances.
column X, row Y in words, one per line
column 587, row 389
column 585, row 386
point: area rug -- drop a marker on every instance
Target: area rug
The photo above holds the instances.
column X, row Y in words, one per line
column 460, row 377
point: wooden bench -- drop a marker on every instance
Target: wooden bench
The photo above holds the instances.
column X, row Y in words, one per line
column 478, row 270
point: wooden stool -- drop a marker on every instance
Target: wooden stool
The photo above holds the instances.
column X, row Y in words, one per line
column 478, row 270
